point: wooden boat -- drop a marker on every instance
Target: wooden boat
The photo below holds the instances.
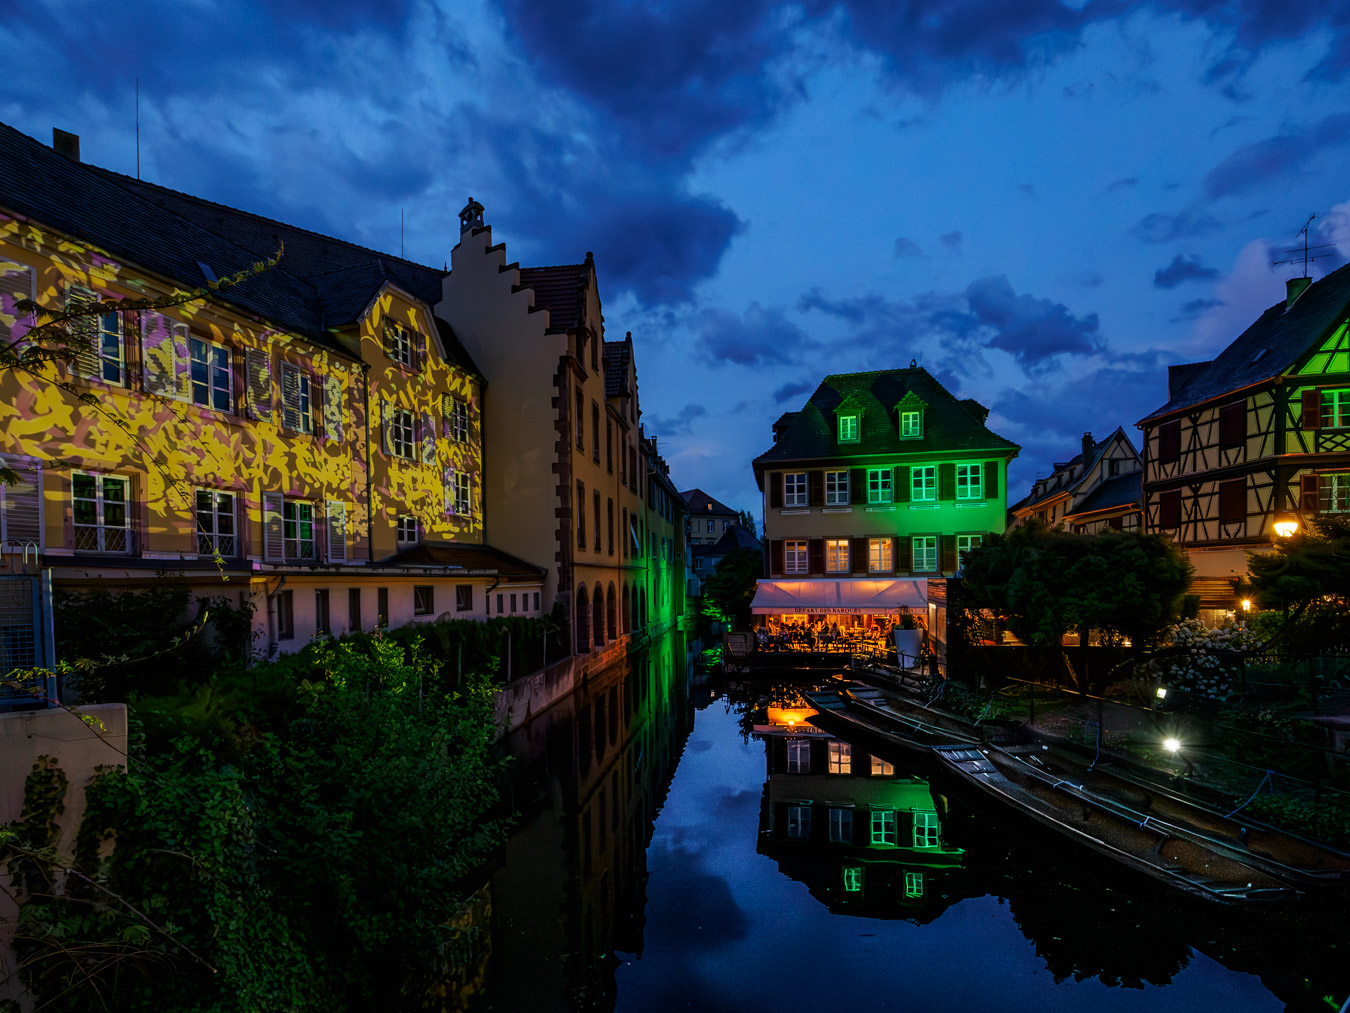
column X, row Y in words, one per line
column 857, row 708
column 1153, row 849
column 1294, row 859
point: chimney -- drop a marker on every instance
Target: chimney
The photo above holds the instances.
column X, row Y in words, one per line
column 1088, row 446
column 66, row 143
column 471, row 217
column 1293, row 287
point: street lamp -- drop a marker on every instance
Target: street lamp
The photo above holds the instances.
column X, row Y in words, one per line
column 1286, row 528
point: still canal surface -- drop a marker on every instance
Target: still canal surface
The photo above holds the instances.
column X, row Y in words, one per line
column 683, row 846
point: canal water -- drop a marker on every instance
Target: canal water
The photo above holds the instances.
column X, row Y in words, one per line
column 686, row 843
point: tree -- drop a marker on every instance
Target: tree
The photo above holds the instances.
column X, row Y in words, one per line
column 1307, row 576
column 1048, row 583
column 728, row 592
column 747, row 521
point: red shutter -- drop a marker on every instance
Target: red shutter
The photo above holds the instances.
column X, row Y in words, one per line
column 857, row 486
column 775, row 557
column 991, row 480
column 1312, row 409
column 775, row 488
column 946, row 481
column 815, row 554
column 947, row 546
column 1169, row 510
column 903, row 555
column 815, row 488
column 1308, row 499
column 1233, row 424
column 1169, row 441
column 900, row 487
column 1233, row 501
column 858, row 555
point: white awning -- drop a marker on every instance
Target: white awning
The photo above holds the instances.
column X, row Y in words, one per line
column 862, row 595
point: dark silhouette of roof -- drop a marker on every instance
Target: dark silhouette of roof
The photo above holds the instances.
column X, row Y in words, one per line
column 737, row 536
column 1054, row 490
column 470, row 558
column 1278, row 339
column 702, row 503
column 948, row 424
column 1123, row 490
column 617, row 355
column 560, row 289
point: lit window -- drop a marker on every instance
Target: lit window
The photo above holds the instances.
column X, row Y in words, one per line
column 836, row 488
column 424, row 599
column 848, row 429
column 794, row 556
column 923, row 483
column 883, row 826
column 798, row 756
column 853, row 879
column 799, row 821
column 841, row 826
column 970, row 481
column 926, row 830
column 1333, row 493
column 102, row 512
column 215, row 522
column 879, row 555
column 964, row 543
column 836, row 555
column 1335, row 409
column 212, row 378
column 878, row 485
column 924, row 558
column 402, row 433
column 297, row 412
column 880, row 768
column 398, row 344
column 297, row 528
column 841, row 758
column 406, row 530
column 911, row 425
column 794, row 490
column 914, row 884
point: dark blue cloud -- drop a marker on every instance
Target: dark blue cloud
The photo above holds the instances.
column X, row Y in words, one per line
column 759, row 337
column 1159, row 227
column 906, row 248
column 792, row 391
column 1261, row 162
column 1194, row 307
column 1034, row 331
column 1183, row 269
column 951, row 240
column 679, row 424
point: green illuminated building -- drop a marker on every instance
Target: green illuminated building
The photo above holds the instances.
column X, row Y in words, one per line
column 880, row 480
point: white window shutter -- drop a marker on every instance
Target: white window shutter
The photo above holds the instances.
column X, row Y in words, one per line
column 290, row 396
column 332, row 406
column 386, row 420
column 274, row 541
column 336, row 515
column 182, row 363
column 21, row 505
column 428, row 438
column 16, row 282
column 449, row 491
column 258, row 384
column 83, row 332
column 157, row 354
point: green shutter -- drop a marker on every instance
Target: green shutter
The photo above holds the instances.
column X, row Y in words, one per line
column 900, row 486
column 991, row 480
column 947, row 481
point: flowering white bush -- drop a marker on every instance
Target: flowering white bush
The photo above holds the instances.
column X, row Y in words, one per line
column 1207, row 665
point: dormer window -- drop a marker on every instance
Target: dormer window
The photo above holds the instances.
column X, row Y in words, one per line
column 911, row 425
column 398, row 344
column 848, row 429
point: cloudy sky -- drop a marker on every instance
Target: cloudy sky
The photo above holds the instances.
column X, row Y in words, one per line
column 1042, row 202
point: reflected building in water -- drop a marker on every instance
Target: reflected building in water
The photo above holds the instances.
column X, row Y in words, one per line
column 865, row 837
column 591, row 774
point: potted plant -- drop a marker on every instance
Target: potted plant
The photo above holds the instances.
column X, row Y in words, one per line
column 908, row 636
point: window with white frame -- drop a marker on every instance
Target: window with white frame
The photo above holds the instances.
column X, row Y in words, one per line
column 212, row 377
column 914, row 884
column 836, row 488
column 970, row 481
column 794, row 556
column 798, row 756
column 402, row 433
column 297, row 529
column 924, row 558
column 101, row 351
column 878, row 485
column 836, row 555
column 111, row 350
column 457, row 493
column 799, row 821
column 215, row 523
column 285, row 615
column 926, row 828
column 881, row 768
column 964, row 543
column 1333, row 493
column 841, row 826
column 398, row 343
column 102, row 512
column 911, row 425
column 1335, row 409
column 883, row 826
column 923, row 483
column 879, row 555
column 456, row 418
column 424, row 599
column 848, row 429
column 297, row 407
column 405, row 530
column 840, row 758
column 794, row 489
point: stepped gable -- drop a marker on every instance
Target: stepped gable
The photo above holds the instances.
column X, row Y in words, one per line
column 560, row 289
column 1278, row 339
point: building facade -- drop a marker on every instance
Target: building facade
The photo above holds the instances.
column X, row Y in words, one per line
column 1098, row 490
column 285, row 442
column 1255, row 441
column 881, row 480
column 709, row 518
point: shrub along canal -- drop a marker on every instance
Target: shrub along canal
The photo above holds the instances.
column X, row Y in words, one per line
column 691, row 847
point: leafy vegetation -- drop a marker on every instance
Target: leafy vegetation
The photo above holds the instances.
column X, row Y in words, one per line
column 1307, row 578
column 728, row 592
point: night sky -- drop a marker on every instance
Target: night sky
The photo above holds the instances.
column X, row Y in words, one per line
column 1043, row 203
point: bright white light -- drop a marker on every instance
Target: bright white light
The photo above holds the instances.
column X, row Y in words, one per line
column 1172, row 745
column 1286, row 529
column 1162, row 692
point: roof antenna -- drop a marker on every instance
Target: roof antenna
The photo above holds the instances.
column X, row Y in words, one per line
column 1304, row 256
column 138, row 128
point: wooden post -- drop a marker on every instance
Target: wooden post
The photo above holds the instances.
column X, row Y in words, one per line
column 1031, row 719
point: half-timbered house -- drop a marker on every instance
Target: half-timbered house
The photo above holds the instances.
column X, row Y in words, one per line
column 1097, row 490
column 1255, row 442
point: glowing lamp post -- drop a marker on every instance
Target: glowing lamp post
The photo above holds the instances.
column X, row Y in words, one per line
column 1286, row 528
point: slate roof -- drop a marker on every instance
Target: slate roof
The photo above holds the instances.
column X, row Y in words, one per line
column 737, row 536
column 560, row 289
column 470, row 558
column 617, row 355
column 701, row 503
column 1265, row 350
column 1123, row 490
column 949, row 424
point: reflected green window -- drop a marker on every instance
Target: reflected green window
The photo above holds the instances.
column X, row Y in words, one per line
column 914, row 884
column 853, row 879
column 883, row 826
column 926, row 829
